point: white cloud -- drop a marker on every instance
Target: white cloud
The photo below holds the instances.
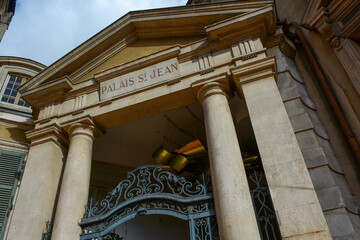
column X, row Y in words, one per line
column 45, row 30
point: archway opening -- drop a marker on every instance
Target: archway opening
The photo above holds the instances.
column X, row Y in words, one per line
column 154, row 227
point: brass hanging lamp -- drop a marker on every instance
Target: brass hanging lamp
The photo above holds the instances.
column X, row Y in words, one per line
column 180, row 158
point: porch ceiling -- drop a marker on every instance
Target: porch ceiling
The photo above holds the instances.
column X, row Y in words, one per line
column 132, row 144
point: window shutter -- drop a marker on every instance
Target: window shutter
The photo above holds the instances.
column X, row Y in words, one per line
column 11, row 164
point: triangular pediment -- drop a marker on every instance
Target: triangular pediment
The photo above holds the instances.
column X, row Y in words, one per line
column 135, row 35
column 138, row 49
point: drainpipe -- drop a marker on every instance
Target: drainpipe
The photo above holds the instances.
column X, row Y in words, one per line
column 354, row 146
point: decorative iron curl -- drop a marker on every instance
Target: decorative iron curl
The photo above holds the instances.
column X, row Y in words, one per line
column 202, row 229
column 265, row 213
column 150, row 179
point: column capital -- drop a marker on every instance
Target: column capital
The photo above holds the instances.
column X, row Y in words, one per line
column 212, row 88
column 52, row 133
column 84, row 125
column 253, row 71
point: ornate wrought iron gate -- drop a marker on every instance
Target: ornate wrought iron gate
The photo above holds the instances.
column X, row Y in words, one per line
column 263, row 206
column 151, row 190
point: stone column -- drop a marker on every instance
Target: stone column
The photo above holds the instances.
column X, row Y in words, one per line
column 297, row 207
column 234, row 208
column 75, row 183
column 39, row 184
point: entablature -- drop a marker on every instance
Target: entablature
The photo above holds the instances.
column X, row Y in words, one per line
column 172, row 93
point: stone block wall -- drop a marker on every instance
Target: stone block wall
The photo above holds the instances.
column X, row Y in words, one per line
column 339, row 205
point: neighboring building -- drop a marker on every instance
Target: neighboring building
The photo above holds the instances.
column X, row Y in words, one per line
column 7, row 10
column 231, row 77
column 15, row 119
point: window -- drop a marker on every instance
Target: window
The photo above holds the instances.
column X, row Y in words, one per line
column 11, row 94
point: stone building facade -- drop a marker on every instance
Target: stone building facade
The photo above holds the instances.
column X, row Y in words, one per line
column 233, row 77
column 16, row 118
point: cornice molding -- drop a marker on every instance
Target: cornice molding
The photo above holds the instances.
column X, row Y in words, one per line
column 259, row 22
column 21, row 62
column 11, row 146
column 50, row 92
column 26, row 123
column 78, row 92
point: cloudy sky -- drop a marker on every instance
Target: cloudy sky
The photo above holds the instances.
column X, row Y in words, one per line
column 45, row 30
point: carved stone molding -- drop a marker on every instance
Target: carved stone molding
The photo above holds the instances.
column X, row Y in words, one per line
column 254, row 71
column 218, row 81
column 206, row 63
column 335, row 42
column 337, row 22
column 285, row 45
column 203, row 1
column 52, row 133
column 335, row 19
column 327, row 30
column 86, row 123
column 246, row 49
column 213, row 88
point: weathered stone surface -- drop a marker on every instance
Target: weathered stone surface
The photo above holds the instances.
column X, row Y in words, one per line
column 284, row 80
column 295, row 195
column 294, row 107
column 75, row 184
column 231, row 191
column 319, row 128
column 339, row 223
column 39, row 186
column 349, row 198
column 322, row 177
column 325, row 169
column 330, row 198
column 314, row 157
column 311, row 236
column 307, row 139
column 284, row 166
column 289, row 93
column 314, row 223
column 300, row 122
